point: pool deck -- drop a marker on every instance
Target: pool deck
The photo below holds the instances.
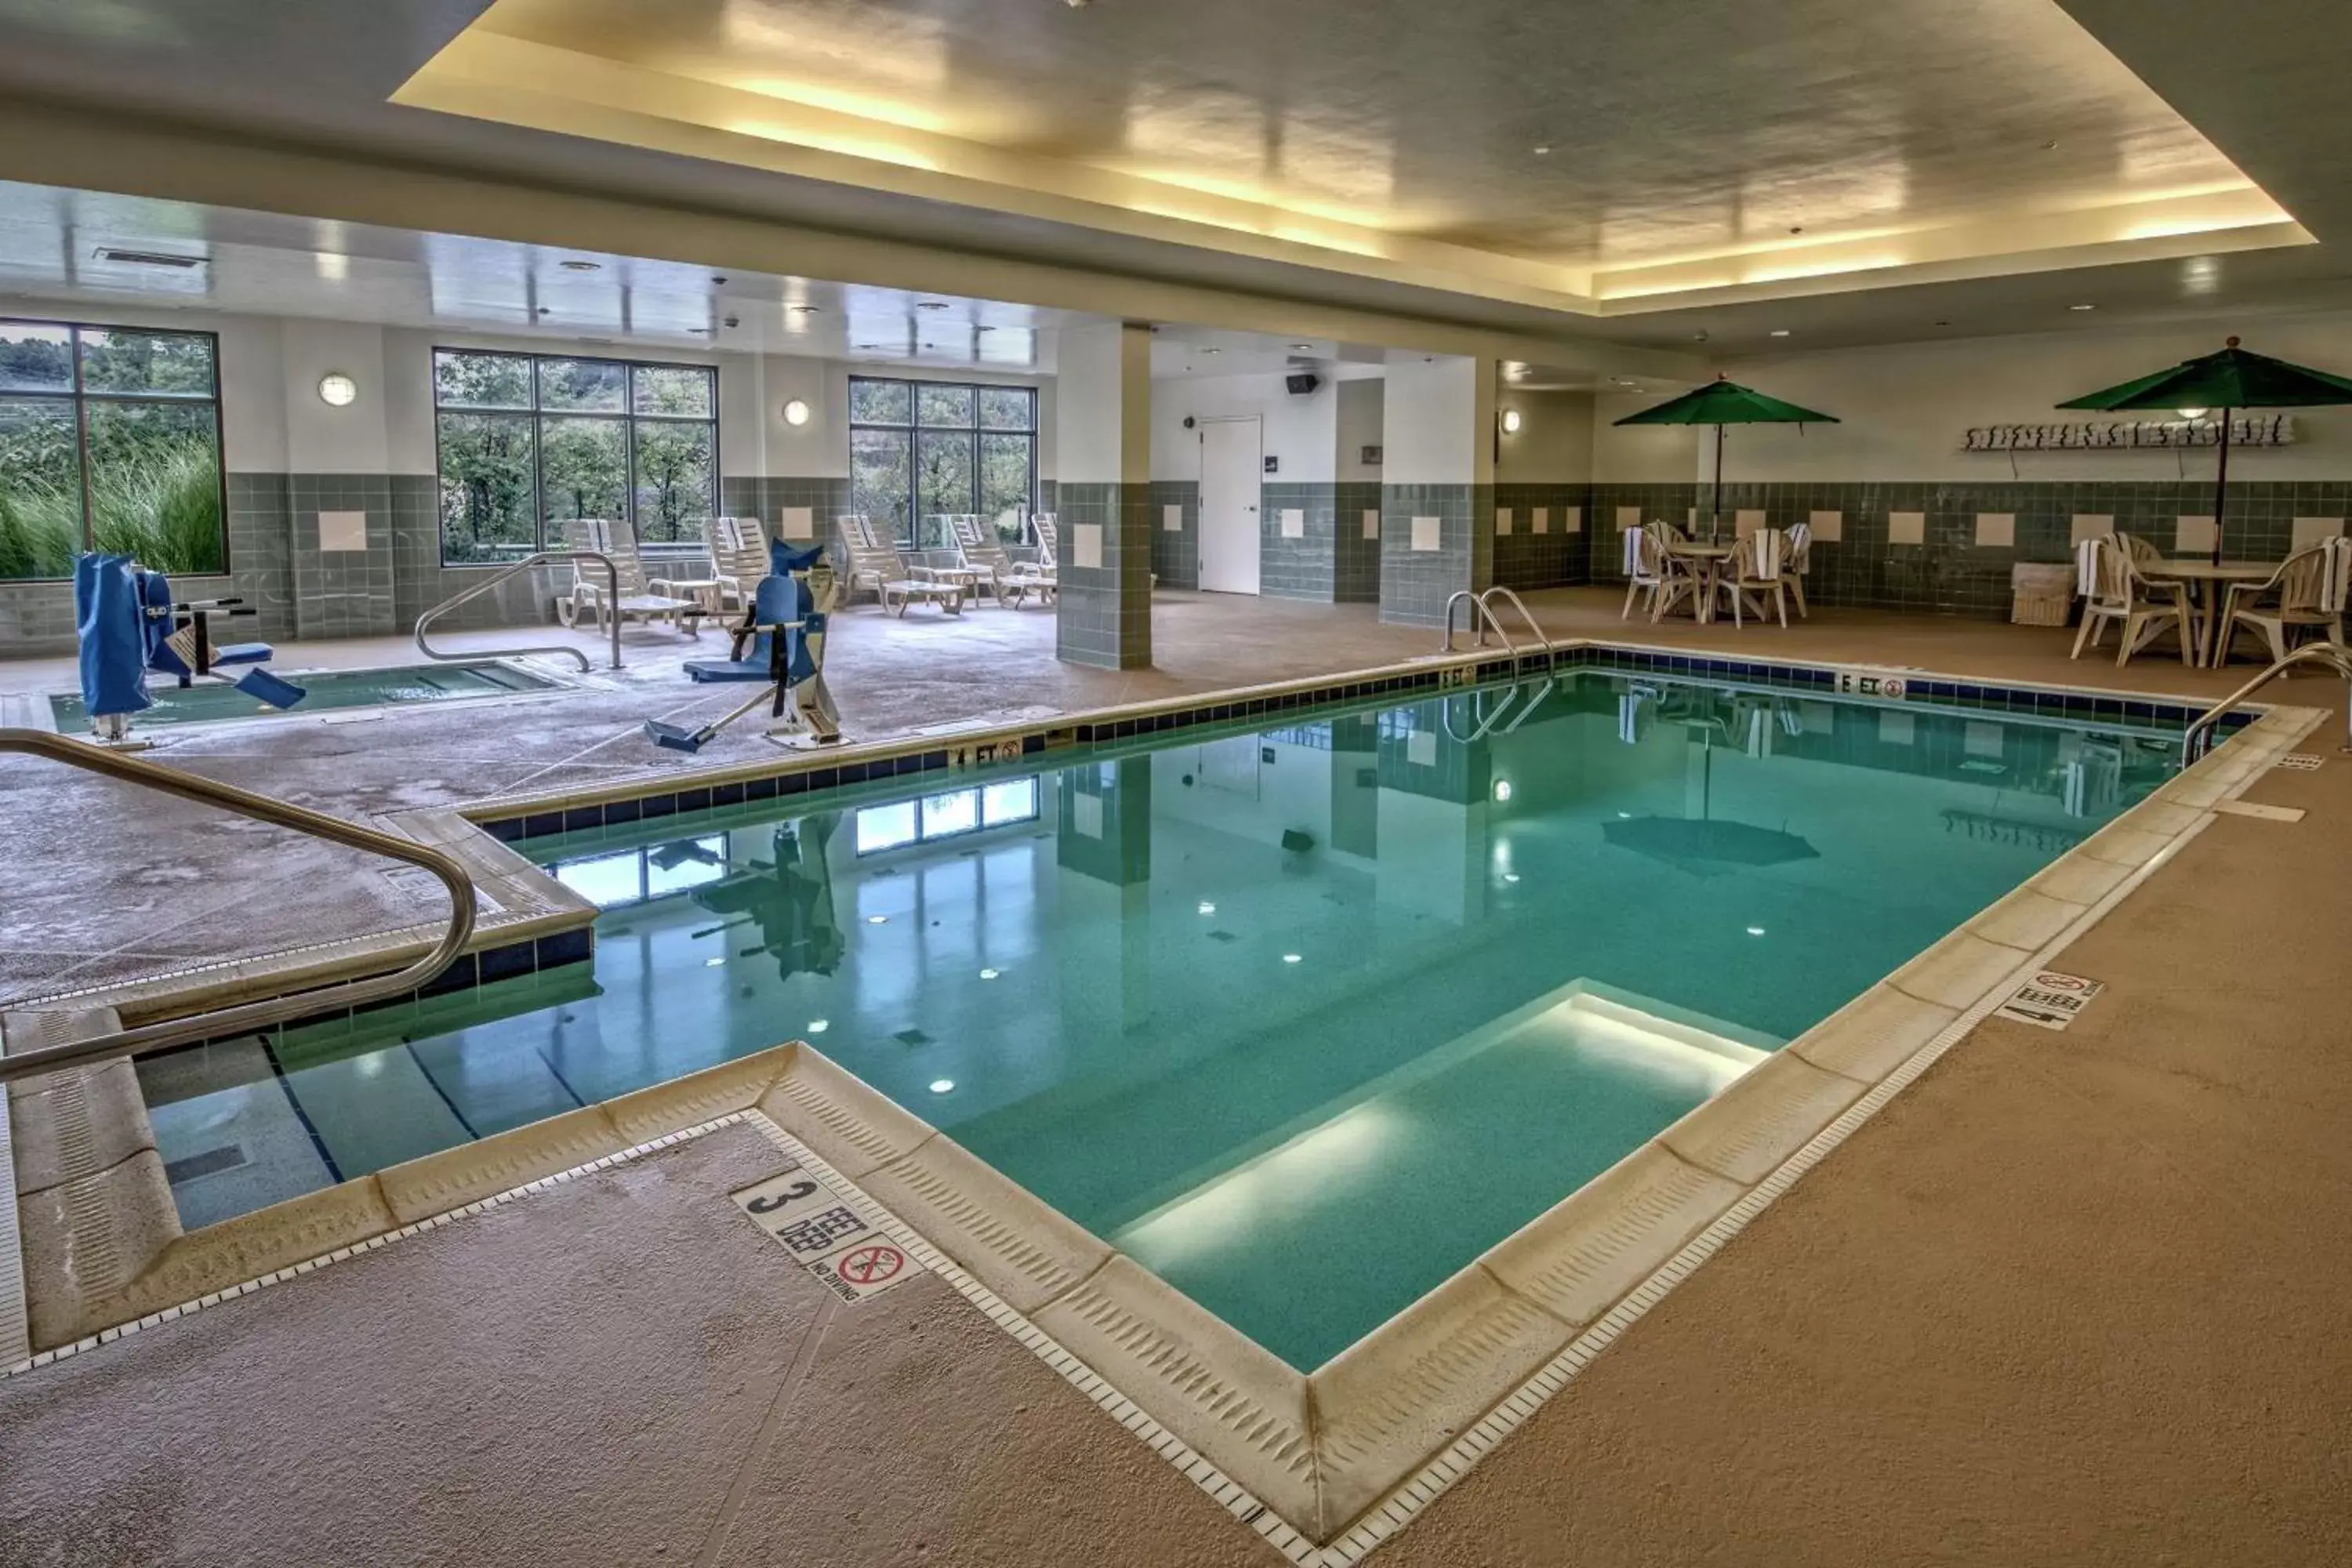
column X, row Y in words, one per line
column 180, row 886
column 2071, row 1297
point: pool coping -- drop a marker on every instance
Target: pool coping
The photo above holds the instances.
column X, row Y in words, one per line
column 1349, row 1452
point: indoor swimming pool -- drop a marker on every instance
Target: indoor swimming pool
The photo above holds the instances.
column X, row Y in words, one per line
column 1301, row 1017
column 208, row 701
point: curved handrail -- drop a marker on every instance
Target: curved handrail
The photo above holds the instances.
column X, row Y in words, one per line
column 283, row 813
column 1486, row 721
column 2338, row 659
column 1520, row 604
column 1482, row 616
column 540, row 558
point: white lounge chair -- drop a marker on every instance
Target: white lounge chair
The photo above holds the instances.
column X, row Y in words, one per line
column 881, row 569
column 2115, row 589
column 589, row 594
column 739, row 558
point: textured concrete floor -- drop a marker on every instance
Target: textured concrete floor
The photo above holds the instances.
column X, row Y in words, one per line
column 2072, row 1299
column 159, row 886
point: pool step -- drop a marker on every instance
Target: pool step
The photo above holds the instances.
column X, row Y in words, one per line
column 90, row 1205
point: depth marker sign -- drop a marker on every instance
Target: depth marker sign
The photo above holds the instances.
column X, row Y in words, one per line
column 2049, row 1000
column 813, row 1222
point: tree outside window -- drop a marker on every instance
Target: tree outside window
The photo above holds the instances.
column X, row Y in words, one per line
column 922, row 451
column 530, row 442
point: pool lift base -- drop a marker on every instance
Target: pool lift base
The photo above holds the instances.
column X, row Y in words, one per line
column 785, row 623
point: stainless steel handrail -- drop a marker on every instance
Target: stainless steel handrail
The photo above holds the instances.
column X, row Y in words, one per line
column 1482, row 616
column 1520, row 604
column 2337, row 656
column 543, row 558
column 261, row 808
column 1486, row 721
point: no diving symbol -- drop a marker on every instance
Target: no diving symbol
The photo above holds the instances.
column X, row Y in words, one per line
column 870, row 1265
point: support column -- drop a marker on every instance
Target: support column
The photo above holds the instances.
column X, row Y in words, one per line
column 1437, row 484
column 1102, row 494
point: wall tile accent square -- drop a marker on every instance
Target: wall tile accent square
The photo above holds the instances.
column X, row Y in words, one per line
column 1747, row 521
column 1996, row 531
column 1502, row 522
column 1907, row 528
column 1426, row 535
column 2085, row 525
column 796, row 521
column 1086, row 546
column 2310, row 531
column 1571, row 520
column 1628, row 518
column 1829, row 527
column 1294, row 522
column 2191, row 534
column 1171, row 518
column 1371, row 523
column 342, row 531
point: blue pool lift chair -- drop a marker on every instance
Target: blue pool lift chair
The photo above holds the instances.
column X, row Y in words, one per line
column 129, row 625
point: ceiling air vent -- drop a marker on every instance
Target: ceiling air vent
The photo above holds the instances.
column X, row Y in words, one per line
column 148, row 257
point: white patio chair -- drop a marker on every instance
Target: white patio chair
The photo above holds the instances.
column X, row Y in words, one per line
column 1652, row 569
column 1800, row 563
column 2115, row 589
column 2303, row 588
column 1756, row 572
column 637, row 601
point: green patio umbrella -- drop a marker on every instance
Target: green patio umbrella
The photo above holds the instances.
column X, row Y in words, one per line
column 2224, row 383
column 1720, row 403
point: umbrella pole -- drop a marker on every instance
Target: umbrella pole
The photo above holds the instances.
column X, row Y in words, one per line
column 2221, row 484
column 1715, row 507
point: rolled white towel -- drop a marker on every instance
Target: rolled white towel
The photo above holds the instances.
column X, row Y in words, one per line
column 1632, row 537
column 2087, row 567
column 2335, row 583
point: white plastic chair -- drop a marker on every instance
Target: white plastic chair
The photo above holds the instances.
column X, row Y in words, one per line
column 2304, row 588
column 2120, row 591
column 1800, row 563
column 1759, row 567
column 1651, row 569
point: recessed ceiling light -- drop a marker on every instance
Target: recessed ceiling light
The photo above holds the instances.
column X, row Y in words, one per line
column 1543, row 151
column 804, row 309
column 1207, row 907
column 877, row 920
column 1302, row 348
column 818, row 1026
column 930, row 304
column 942, row 1085
column 718, row 277
column 1780, row 332
column 575, row 264
column 1293, row 958
column 2082, row 306
column 990, row 974
column 1755, row 930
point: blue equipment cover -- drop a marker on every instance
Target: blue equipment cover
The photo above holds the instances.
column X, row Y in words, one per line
column 108, row 617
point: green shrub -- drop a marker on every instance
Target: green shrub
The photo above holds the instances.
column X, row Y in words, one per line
column 40, row 529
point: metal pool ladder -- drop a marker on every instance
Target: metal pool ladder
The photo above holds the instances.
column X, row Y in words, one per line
column 260, row 808
column 1483, row 618
column 541, row 558
column 2197, row 739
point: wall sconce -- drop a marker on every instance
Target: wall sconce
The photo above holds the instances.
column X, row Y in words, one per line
column 337, row 390
column 796, row 414
column 1510, row 421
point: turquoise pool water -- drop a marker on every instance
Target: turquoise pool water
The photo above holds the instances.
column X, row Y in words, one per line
column 328, row 689
column 1303, row 1017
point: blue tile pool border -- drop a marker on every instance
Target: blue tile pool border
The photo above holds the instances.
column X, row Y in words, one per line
column 513, row 822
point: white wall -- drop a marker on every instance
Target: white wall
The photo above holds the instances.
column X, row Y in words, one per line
column 1553, row 445
column 1102, row 427
column 1361, row 404
column 1438, row 420
column 1904, row 409
column 1301, row 431
column 1641, row 454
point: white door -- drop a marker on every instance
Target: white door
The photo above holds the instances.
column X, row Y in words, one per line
column 1229, row 479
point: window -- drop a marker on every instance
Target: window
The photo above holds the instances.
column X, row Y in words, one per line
column 110, row 439
column 529, row 442
column 921, row 450
column 949, row 815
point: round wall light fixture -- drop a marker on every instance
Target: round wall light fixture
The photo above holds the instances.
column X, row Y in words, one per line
column 337, row 390
column 1510, row 421
column 796, row 414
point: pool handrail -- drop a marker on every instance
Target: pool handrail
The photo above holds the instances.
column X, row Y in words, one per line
column 475, row 591
column 1481, row 615
column 271, row 1010
column 1520, row 604
column 2337, row 656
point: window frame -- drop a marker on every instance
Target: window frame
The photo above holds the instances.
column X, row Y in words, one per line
column 80, row 397
column 974, row 433
column 540, row 416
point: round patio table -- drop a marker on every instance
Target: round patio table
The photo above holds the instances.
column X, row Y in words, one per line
column 2206, row 578
column 1703, row 558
